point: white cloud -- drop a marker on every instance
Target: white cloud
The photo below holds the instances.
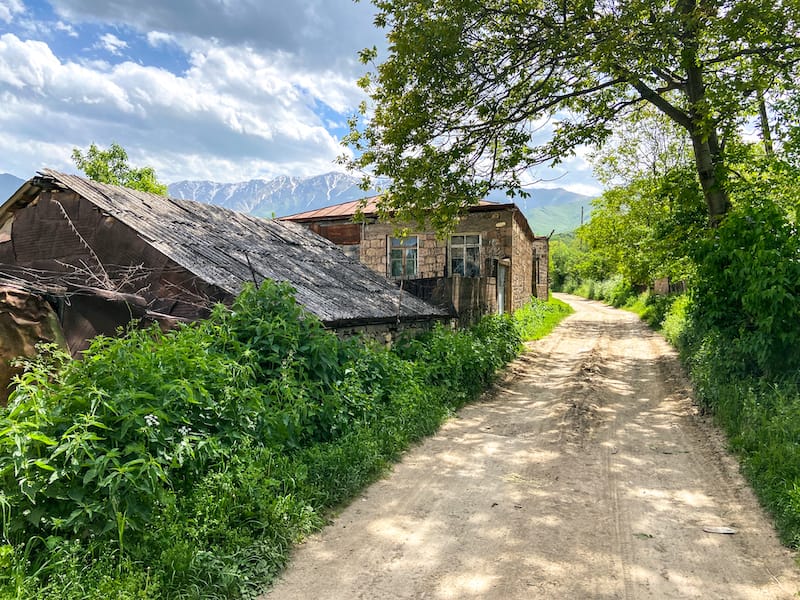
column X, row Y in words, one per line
column 112, row 43
column 255, row 88
column 233, row 112
column 66, row 28
column 322, row 33
column 159, row 38
column 9, row 9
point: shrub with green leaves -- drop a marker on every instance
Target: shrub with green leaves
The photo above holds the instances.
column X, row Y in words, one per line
column 748, row 285
column 538, row 317
column 186, row 463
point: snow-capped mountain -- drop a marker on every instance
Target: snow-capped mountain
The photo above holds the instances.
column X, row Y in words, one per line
column 546, row 209
column 279, row 197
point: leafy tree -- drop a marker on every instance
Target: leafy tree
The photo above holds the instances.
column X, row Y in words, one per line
column 645, row 144
column 565, row 254
column 111, row 166
column 645, row 229
column 462, row 100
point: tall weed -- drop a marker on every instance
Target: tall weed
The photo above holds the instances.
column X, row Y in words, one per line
column 186, row 464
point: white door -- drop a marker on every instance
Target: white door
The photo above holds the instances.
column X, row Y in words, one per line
column 502, row 270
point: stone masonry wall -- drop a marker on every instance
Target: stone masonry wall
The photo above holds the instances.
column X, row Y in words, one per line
column 496, row 243
column 521, row 268
column 541, row 253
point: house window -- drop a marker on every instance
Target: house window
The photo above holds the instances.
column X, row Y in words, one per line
column 403, row 256
column 465, row 255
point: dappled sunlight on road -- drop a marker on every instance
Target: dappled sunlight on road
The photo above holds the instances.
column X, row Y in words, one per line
column 586, row 474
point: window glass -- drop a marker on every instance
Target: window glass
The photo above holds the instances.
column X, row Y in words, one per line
column 472, row 261
column 465, row 255
column 403, row 256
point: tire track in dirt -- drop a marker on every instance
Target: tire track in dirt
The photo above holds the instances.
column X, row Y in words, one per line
column 586, row 473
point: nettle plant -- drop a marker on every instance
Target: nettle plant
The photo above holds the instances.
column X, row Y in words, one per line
column 95, row 446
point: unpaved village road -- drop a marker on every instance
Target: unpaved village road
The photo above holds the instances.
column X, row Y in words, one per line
column 586, row 474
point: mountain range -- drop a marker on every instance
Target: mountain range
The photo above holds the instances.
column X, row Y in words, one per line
column 547, row 209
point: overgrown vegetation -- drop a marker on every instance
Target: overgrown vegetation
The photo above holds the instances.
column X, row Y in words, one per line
column 538, row 318
column 738, row 327
column 185, row 464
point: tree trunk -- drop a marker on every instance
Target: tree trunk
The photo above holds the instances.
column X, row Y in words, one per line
column 715, row 195
column 707, row 152
column 766, row 134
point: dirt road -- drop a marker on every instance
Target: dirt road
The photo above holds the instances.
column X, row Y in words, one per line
column 587, row 474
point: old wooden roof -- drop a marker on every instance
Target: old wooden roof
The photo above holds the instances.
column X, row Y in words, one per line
column 228, row 249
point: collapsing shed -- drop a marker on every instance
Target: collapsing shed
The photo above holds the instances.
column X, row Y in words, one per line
column 105, row 254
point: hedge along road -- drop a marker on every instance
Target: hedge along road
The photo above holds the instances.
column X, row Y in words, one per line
column 586, row 473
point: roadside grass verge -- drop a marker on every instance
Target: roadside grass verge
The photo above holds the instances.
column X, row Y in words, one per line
column 538, row 318
column 186, row 464
column 757, row 408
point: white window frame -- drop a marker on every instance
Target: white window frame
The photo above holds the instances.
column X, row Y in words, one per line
column 458, row 250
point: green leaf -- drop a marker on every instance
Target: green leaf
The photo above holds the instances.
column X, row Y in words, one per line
column 40, row 437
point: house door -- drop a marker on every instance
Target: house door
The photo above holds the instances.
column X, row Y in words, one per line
column 502, row 272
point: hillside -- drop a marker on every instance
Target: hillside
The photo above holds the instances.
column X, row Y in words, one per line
column 8, row 185
column 551, row 209
column 546, row 209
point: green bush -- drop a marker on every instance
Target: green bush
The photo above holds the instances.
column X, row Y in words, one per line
column 748, row 285
column 739, row 336
column 674, row 324
column 186, row 464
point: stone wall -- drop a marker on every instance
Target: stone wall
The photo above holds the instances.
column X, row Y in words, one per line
column 496, row 243
column 388, row 333
column 541, row 257
column 503, row 238
column 521, row 268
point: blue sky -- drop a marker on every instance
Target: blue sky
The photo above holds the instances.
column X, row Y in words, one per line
column 227, row 90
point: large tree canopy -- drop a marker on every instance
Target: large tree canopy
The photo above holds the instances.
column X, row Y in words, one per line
column 473, row 92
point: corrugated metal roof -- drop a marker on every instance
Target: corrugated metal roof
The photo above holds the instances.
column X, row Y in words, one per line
column 368, row 207
column 226, row 248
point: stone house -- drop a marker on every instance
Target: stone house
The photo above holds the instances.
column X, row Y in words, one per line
column 492, row 262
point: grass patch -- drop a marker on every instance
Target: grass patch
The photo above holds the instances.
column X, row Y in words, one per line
column 538, row 318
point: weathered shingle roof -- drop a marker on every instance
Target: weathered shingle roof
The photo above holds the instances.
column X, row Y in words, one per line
column 226, row 248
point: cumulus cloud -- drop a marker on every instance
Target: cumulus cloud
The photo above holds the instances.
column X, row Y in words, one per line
column 233, row 114
column 159, row 38
column 10, row 8
column 111, row 43
column 66, row 28
column 321, row 33
column 215, row 89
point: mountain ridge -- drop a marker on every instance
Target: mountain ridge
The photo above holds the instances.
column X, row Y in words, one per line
column 8, row 185
column 547, row 209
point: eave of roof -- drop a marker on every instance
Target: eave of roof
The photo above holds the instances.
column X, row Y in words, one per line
column 368, row 208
